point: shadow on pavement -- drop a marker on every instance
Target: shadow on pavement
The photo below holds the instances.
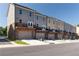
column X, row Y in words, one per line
column 4, row 41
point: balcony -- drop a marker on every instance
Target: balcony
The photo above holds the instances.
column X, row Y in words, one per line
column 65, row 31
column 20, row 25
column 58, row 31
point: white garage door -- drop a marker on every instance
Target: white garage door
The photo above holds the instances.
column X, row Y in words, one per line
column 40, row 35
column 25, row 35
column 51, row 36
column 60, row 36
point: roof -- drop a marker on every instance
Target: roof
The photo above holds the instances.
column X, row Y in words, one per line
column 39, row 13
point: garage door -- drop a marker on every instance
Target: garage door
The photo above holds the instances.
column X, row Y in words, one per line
column 51, row 36
column 60, row 36
column 25, row 35
column 40, row 35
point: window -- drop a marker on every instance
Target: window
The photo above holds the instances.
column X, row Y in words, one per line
column 37, row 25
column 37, row 17
column 30, row 24
column 43, row 19
column 49, row 20
column 30, row 14
column 20, row 21
column 20, row 11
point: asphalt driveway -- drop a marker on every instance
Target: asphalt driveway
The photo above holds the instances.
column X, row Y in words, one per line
column 4, row 41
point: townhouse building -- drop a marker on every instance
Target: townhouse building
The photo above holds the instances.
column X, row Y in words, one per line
column 26, row 23
column 77, row 31
column 70, row 31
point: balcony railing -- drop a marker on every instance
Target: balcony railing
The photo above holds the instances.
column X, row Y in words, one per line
column 26, row 25
column 20, row 25
column 40, row 28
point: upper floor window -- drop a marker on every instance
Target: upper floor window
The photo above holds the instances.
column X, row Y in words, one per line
column 20, row 11
column 20, row 21
column 37, row 25
column 30, row 14
column 43, row 19
column 29, row 23
column 49, row 20
column 37, row 17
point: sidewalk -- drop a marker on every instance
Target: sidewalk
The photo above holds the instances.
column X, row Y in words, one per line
column 31, row 43
column 37, row 42
column 9, row 45
column 61, row 41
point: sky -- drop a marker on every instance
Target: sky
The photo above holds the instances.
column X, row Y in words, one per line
column 63, row 11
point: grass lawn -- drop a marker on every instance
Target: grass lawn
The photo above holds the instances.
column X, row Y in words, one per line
column 21, row 42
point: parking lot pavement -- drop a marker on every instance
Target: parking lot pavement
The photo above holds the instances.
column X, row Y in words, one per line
column 4, row 41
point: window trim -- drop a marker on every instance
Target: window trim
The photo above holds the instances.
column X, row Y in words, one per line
column 37, row 17
column 20, row 11
column 30, row 13
column 20, row 21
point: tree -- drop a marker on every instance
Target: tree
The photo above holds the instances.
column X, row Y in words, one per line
column 3, row 31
